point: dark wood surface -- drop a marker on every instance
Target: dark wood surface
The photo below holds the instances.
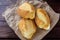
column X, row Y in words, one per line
column 6, row 32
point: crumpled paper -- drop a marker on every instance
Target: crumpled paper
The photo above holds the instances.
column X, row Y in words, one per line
column 12, row 18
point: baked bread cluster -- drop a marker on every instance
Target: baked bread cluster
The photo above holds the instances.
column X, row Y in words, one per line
column 32, row 16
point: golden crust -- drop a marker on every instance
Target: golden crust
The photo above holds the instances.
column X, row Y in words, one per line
column 22, row 13
column 42, row 19
column 27, row 28
column 26, row 10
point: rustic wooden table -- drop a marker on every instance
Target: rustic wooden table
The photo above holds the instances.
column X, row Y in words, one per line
column 6, row 32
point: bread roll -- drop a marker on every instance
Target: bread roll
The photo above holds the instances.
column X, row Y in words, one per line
column 26, row 10
column 42, row 19
column 27, row 28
